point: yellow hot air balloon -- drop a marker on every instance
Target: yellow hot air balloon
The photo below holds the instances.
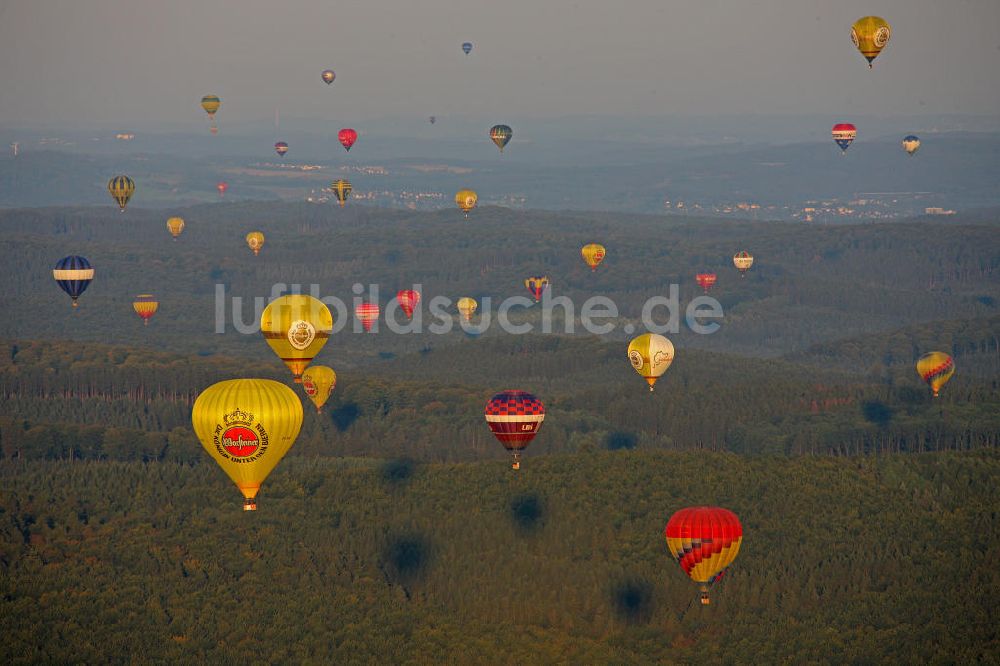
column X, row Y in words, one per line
column 466, row 200
column 255, row 241
column 650, row 354
column 211, row 104
column 318, row 381
column 145, row 305
column 175, row 225
column 467, row 307
column 743, row 260
column 121, row 189
column 296, row 326
column 936, row 368
column 870, row 34
column 341, row 189
column 593, row 254
column 247, row 426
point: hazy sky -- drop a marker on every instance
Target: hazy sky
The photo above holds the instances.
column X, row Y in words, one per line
column 142, row 62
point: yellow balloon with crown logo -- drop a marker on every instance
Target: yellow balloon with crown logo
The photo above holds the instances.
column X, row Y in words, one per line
column 318, row 381
column 296, row 327
column 247, row 426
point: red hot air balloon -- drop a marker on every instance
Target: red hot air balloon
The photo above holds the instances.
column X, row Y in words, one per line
column 514, row 418
column 367, row 314
column 347, row 137
column 705, row 280
column 408, row 300
column 704, row 540
column 844, row 134
column 222, row 186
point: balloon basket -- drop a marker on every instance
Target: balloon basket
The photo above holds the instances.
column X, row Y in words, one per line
column 250, row 504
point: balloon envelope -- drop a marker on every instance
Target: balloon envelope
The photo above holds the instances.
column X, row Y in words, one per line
column 347, row 137
column 145, row 305
column 911, row 144
column 514, row 418
column 247, row 426
column 296, row 327
column 467, row 307
column 536, row 284
column 650, row 354
column 844, row 134
column 121, row 189
column 281, row 148
column 328, row 76
column 211, row 104
column 175, row 225
column 743, row 260
column 936, row 368
column 704, row 540
column 408, row 300
column 593, row 254
column 255, row 241
column 870, row 34
column 500, row 135
column 318, row 381
column 466, row 200
column 467, row 47
column 341, row 189
column 73, row 274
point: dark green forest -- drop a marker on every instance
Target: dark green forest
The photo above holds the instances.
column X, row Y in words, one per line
column 395, row 532
column 885, row 559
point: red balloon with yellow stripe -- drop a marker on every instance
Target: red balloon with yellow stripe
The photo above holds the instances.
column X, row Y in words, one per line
column 514, row 418
column 704, row 540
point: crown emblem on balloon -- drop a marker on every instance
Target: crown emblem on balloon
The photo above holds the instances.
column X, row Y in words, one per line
column 238, row 417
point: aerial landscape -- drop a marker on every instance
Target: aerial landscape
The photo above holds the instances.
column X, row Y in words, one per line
column 530, row 333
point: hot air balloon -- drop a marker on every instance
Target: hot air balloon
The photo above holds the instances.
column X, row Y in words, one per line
column 704, row 540
column 328, row 76
column 296, row 327
column 341, row 189
column 870, row 34
column 536, row 284
column 467, row 307
column 432, row 119
column 466, row 200
column 175, row 225
column 222, row 186
column 593, row 254
column 650, row 354
column 367, row 314
column 500, row 135
column 318, row 381
column 73, row 275
column 247, row 426
column 408, row 300
column 911, row 144
column 145, row 305
column 347, row 137
column 211, row 104
column 281, row 148
column 936, row 368
column 705, row 280
column 843, row 134
column 467, row 47
column 743, row 260
column 255, row 241
column 514, row 418
column 121, row 189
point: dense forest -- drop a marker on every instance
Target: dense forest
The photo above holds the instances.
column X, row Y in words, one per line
column 847, row 560
column 869, row 508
